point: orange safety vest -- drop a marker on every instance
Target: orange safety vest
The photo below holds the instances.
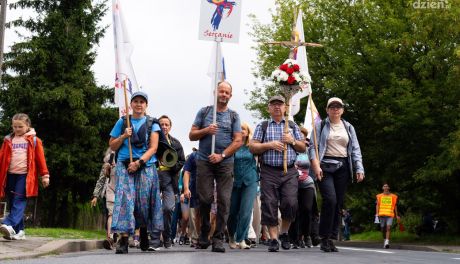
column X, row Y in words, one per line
column 387, row 204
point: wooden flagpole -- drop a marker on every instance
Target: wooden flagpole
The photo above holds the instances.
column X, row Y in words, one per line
column 128, row 125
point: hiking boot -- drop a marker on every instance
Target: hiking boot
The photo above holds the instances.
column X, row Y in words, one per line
column 218, row 246
column 7, row 231
column 274, row 245
column 107, row 244
column 122, row 246
column 144, row 239
column 315, row 240
column 325, row 245
column 167, row 243
column 285, row 244
column 203, row 243
column 332, row 246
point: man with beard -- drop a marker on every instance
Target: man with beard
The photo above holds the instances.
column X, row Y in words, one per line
column 216, row 166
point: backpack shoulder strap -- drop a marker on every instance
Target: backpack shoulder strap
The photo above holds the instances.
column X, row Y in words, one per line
column 323, row 123
column 35, row 141
column 264, row 130
column 205, row 114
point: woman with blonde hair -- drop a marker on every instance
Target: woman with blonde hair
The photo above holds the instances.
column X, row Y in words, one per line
column 243, row 193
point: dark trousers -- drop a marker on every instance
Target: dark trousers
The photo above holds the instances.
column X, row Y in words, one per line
column 168, row 203
column 333, row 187
column 278, row 190
column 17, row 200
column 302, row 223
column 207, row 173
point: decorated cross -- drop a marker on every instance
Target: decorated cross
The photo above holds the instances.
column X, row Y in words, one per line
column 290, row 88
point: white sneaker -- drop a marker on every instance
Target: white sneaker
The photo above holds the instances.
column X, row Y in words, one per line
column 7, row 231
column 386, row 243
column 21, row 235
column 231, row 243
column 243, row 245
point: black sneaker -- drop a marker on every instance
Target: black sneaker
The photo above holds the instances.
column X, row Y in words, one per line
column 325, row 245
column 187, row 241
column 332, row 246
column 144, row 239
column 122, row 246
column 295, row 245
column 307, row 243
column 285, row 244
column 315, row 240
column 167, row 243
column 154, row 246
column 274, row 245
column 218, row 246
column 181, row 240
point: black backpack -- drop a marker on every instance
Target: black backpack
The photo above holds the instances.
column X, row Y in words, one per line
column 163, row 143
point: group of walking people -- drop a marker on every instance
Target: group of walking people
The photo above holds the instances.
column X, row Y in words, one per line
column 220, row 180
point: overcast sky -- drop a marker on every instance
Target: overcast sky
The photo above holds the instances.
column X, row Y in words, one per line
column 170, row 62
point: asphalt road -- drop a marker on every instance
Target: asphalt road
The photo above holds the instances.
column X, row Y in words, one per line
column 185, row 255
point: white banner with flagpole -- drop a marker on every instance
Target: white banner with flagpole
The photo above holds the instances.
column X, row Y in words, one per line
column 302, row 61
column 310, row 118
column 216, row 57
column 124, row 72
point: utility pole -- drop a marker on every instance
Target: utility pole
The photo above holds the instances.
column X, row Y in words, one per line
column 2, row 33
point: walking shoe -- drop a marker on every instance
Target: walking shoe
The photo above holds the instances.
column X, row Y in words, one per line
column 107, row 243
column 187, row 240
column 243, row 245
column 154, row 246
column 332, row 246
column 203, row 243
column 251, row 242
column 307, row 243
column 144, row 239
column 274, row 246
column 7, row 231
column 295, row 245
column 386, row 243
column 218, row 246
column 21, row 235
column 325, row 245
column 122, row 246
column 181, row 240
column 315, row 240
column 167, row 243
column 285, row 244
column 231, row 243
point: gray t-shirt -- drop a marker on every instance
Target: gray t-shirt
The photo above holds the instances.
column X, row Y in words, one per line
column 224, row 136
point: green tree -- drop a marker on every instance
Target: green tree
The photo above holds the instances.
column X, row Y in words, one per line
column 50, row 78
column 397, row 68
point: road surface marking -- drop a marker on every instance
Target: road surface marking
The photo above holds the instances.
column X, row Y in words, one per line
column 368, row 250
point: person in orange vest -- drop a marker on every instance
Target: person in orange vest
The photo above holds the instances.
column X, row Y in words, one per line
column 386, row 209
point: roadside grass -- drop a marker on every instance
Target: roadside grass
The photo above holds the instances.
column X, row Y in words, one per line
column 65, row 233
column 406, row 237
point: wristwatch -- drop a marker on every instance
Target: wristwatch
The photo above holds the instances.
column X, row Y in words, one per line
column 141, row 162
column 223, row 155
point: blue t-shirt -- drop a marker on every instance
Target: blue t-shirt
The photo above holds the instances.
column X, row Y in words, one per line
column 190, row 166
column 224, row 135
column 123, row 151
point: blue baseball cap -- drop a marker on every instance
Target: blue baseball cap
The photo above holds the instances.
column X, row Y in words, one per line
column 141, row 94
